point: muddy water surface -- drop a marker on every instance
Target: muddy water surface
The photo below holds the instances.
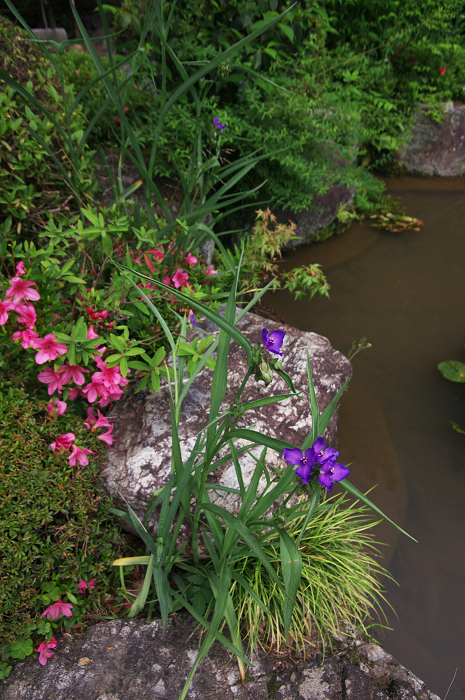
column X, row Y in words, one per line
column 406, row 294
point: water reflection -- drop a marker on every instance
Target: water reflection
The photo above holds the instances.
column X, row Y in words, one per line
column 406, row 293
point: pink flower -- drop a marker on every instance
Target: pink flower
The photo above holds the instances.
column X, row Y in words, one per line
column 91, row 334
column 191, row 259
column 443, row 70
column 63, row 442
column 74, row 393
column 210, row 271
column 27, row 314
column 180, row 279
column 80, row 456
column 107, row 437
column 50, row 377
column 95, row 389
column 90, row 418
column 72, row 373
column 26, row 337
column 19, row 290
column 102, row 422
column 158, row 254
column 83, row 586
column 20, row 268
column 111, row 324
column 55, row 407
column 5, row 306
column 57, row 609
column 110, row 376
column 45, row 649
column 49, row 348
column 167, row 281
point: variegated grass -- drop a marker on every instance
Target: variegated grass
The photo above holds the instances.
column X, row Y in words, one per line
column 340, row 588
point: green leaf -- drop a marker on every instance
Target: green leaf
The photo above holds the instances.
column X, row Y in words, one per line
column 452, row 370
column 291, row 561
column 361, row 496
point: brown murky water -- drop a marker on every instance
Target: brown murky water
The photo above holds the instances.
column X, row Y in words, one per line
column 406, row 293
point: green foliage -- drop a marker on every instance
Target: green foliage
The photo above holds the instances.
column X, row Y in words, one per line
column 339, row 588
column 452, row 370
column 54, row 525
column 261, row 253
column 30, row 186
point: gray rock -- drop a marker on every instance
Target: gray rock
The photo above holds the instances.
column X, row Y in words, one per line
column 436, row 149
column 140, row 461
column 322, row 213
column 58, row 34
column 133, row 660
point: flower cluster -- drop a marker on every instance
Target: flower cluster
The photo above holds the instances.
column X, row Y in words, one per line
column 318, row 455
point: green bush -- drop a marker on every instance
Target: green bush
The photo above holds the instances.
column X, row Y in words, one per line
column 30, row 184
column 55, row 526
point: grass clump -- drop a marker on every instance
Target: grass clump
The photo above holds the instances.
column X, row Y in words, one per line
column 340, row 588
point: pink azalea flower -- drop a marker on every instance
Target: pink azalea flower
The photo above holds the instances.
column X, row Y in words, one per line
column 180, row 279
column 5, row 306
column 107, row 437
column 49, row 348
column 52, row 378
column 73, row 373
column 210, row 271
column 110, row 376
column 79, row 456
column 115, row 395
column 55, row 407
column 167, row 281
column 91, row 334
column 63, row 442
column 74, row 393
column 101, row 422
column 83, row 586
column 26, row 338
column 27, row 314
column 191, row 259
column 94, row 389
column 45, row 650
column 19, row 290
column 20, row 268
column 57, row 609
column 90, row 418
column 158, row 254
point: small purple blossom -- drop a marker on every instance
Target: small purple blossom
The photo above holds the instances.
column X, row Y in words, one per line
column 317, row 455
column 273, row 341
column 191, row 318
column 217, row 123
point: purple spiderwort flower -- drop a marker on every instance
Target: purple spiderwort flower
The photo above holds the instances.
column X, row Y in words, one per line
column 331, row 471
column 305, row 461
column 273, row 341
column 317, row 455
column 217, row 123
column 191, row 318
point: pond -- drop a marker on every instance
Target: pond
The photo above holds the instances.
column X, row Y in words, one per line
column 406, row 293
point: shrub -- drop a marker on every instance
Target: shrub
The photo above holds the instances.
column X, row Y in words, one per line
column 30, row 183
column 55, row 527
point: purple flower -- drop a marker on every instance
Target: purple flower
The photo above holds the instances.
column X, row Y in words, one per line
column 317, row 455
column 331, row 471
column 191, row 318
column 217, row 123
column 273, row 341
column 305, row 461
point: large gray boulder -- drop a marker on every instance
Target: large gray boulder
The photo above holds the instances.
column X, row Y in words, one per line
column 133, row 660
column 140, row 461
column 436, row 148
